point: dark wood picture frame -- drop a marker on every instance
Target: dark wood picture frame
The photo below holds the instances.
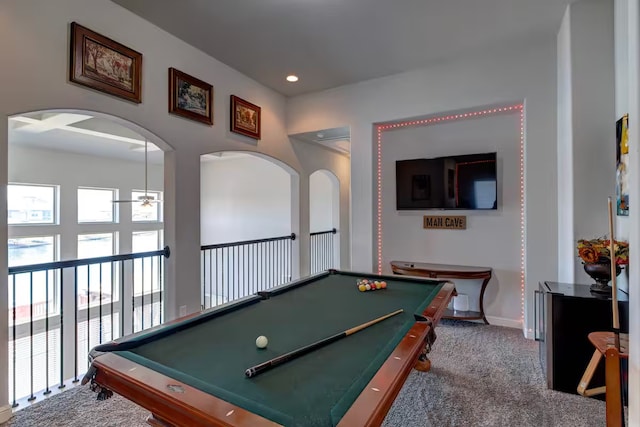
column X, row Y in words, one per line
column 103, row 64
column 185, row 101
column 245, row 117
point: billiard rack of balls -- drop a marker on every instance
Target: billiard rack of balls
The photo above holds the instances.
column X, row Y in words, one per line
column 365, row 285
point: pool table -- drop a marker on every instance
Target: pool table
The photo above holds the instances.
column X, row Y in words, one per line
column 191, row 372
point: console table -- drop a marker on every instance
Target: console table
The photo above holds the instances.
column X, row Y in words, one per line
column 446, row 271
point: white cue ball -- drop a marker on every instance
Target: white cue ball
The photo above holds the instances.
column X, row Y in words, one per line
column 262, row 341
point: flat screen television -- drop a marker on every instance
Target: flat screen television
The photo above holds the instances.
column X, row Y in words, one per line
column 452, row 182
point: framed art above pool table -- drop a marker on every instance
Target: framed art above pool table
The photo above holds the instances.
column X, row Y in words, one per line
column 190, row 372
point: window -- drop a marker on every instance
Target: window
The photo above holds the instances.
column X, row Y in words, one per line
column 38, row 288
column 31, row 250
column 95, row 245
column 144, row 241
column 94, row 281
column 31, row 204
column 145, row 212
column 146, row 272
column 96, row 205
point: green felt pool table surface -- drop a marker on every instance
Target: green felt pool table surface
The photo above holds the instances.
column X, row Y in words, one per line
column 211, row 351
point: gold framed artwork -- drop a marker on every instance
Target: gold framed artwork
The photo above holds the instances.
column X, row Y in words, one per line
column 245, row 117
column 104, row 64
column 190, row 97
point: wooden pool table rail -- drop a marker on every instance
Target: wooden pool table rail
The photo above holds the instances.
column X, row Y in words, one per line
column 169, row 400
column 371, row 406
column 174, row 403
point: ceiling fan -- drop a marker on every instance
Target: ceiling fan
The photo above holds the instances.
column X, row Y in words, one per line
column 146, row 200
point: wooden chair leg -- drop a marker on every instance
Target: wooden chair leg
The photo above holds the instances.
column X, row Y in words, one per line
column 614, row 393
column 588, row 374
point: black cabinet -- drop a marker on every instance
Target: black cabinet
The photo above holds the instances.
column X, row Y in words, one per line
column 565, row 314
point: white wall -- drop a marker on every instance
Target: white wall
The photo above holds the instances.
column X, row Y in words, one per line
column 325, row 213
column 34, row 40
column 243, row 198
column 586, row 129
column 321, row 202
column 592, row 120
column 492, row 238
column 622, row 101
column 627, row 17
column 485, row 78
column 566, row 244
column 41, row 27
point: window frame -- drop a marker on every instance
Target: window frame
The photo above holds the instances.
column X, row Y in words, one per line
column 55, row 220
column 114, row 210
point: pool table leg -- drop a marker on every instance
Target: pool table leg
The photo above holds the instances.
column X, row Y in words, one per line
column 423, row 363
column 156, row 421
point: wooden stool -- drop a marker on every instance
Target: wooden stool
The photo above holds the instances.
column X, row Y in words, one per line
column 604, row 342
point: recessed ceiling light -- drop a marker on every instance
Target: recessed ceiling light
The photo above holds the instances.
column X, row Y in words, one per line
column 292, row 78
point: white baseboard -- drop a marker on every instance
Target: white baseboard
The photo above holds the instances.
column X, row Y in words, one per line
column 502, row 321
column 528, row 334
column 6, row 412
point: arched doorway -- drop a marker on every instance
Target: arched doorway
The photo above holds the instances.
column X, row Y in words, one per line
column 65, row 170
column 324, row 220
column 248, row 205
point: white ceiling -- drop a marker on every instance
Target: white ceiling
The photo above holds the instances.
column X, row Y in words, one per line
column 88, row 135
column 81, row 134
column 329, row 43
column 338, row 139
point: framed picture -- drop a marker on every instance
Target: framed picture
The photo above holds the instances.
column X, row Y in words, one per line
column 190, row 97
column 622, row 165
column 105, row 65
column 245, row 117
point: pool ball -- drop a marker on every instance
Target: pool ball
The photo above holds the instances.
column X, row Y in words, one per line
column 262, row 341
column 362, row 288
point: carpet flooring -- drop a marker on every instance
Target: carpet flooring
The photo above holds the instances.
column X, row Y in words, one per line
column 481, row 376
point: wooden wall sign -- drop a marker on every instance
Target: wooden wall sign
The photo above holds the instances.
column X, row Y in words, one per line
column 457, row 222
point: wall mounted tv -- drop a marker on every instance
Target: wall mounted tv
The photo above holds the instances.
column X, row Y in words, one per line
column 453, row 182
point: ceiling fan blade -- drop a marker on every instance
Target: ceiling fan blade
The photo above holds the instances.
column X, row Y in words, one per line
column 124, row 201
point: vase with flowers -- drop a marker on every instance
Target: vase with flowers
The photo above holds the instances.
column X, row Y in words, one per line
column 596, row 257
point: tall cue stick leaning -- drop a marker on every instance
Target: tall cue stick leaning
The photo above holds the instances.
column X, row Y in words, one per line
column 615, row 405
column 265, row 366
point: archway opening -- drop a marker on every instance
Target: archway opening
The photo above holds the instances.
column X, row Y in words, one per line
column 248, row 206
column 324, row 220
column 65, row 170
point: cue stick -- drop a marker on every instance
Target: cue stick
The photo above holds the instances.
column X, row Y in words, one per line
column 614, row 302
column 265, row 366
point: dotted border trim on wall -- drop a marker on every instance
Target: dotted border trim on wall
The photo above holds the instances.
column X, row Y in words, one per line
column 380, row 128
